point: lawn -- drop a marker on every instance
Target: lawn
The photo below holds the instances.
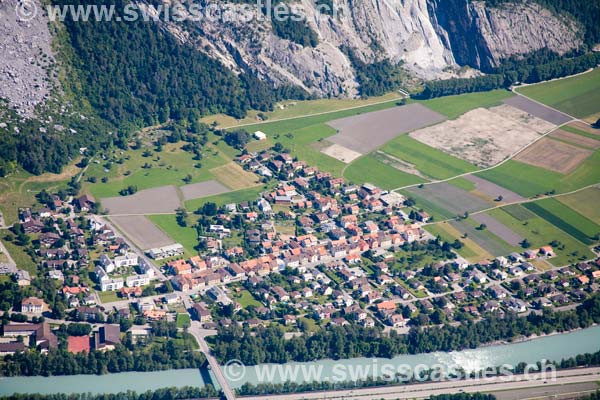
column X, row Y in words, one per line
column 108, row 297
column 18, row 254
column 370, row 169
column 528, row 180
column 563, row 217
column 578, row 96
column 168, row 167
column 187, row 236
column 19, row 189
column 294, row 109
column 238, row 196
column 246, row 299
column 585, row 202
column 183, row 320
column 427, row 160
column 455, row 106
column 540, row 232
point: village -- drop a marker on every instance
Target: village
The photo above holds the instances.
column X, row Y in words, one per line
column 314, row 251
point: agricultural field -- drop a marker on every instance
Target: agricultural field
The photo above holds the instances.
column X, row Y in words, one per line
column 540, row 232
column 186, row 236
column 450, row 198
column 295, row 109
column 238, row 196
column 142, row 231
column 202, row 189
column 484, row 137
column 585, row 202
column 554, row 155
column 538, row 110
column 371, row 169
column 489, row 190
column 578, row 96
column 528, row 180
column 163, row 199
column 234, row 176
column 570, row 221
column 576, row 138
column 485, row 238
column 169, row 167
column 366, row 132
column 427, row 160
column 471, row 251
column 454, row 106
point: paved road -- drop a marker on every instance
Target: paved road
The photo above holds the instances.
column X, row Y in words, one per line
column 426, row 390
column 200, row 334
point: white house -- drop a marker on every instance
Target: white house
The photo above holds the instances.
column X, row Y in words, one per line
column 258, row 135
column 146, row 268
column 111, row 284
column 107, row 263
column 137, row 280
column 127, row 260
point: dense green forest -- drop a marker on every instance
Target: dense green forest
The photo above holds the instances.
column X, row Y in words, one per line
column 375, row 79
column 537, row 67
column 268, row 345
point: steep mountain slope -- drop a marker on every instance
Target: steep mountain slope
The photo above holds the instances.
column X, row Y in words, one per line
column 432, row 37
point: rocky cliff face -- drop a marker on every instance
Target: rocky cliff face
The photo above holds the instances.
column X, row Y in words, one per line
column 480, row 36
column 432, row 37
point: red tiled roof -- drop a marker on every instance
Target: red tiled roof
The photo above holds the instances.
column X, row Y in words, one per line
column 78, row 344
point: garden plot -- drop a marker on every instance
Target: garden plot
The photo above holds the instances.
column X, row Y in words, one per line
column 554, row 155
column 499, row 229
column 492, row 190
column 341, row 153
column 366, row 132
column 164, row 199
column 576, row 139
column 450, row 198
column 141, row 231
column 202, row 189
column 485, row 137
column 538, row 110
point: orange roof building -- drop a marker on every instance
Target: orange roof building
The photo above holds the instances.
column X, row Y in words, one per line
column 78, row 344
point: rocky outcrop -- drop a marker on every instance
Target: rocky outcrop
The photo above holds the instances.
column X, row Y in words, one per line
column 26, row 58
column 432, row 37
column 480, row 36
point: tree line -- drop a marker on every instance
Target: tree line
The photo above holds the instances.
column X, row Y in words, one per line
column 528, row 70
column 172, row 393
column 268, row 345
column 125, row 357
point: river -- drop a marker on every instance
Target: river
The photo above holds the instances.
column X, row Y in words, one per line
column 553, row 347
